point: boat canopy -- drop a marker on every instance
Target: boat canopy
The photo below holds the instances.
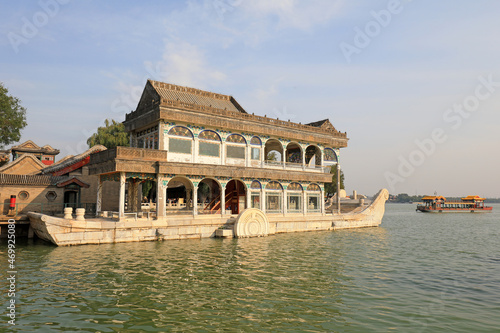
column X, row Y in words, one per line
column 433, row 198
column 473, row 198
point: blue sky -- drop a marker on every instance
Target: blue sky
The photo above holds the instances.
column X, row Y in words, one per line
column 393, row 74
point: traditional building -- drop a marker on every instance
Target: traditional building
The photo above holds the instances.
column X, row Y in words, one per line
column 46, row 154
column 206, row 155
column 41, row 188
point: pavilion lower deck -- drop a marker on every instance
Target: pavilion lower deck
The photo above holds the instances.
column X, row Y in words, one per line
column 250, row 223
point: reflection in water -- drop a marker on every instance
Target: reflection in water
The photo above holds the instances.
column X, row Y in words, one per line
column 415, row 273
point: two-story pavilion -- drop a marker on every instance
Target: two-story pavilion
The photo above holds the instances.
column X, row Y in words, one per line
column 207, row 155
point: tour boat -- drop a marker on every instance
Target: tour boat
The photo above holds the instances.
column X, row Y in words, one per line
column 438, row 204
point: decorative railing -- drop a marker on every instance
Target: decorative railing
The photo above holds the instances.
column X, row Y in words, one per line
column 7, row 179
column 47, row 208
column 127, row 153
column 240, row 115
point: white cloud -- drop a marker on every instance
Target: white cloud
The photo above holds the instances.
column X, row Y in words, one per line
column 185, row 64
column 294, row 13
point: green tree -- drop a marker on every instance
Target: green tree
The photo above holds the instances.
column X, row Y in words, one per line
column 331, row 188
column 12, row 117
column 272, row 156
column 110, row 136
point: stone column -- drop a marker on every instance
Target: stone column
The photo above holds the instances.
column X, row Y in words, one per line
column 263, row 198
column 160, row 197
column 284, row 158
column 223, row 199
column 98, row 206
column 248, row 198
column 285, row 201
column 303, row 159
column 195, row 200
column 196, row 144
column 161, row 137
column 322, row 202
column 304, row 202
column 248, row 155
column 262, row 155
column 223, row 153
column 322, row 158
column 121, row 204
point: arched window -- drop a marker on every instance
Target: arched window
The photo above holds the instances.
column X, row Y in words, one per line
column 274, row 185
column 294, row 155
column 235, row 146
column 255, row 185
column 236, row 138
column 255, row 188
column 209, row 135
column 274, row 195
column 273, row 152
column 256, row 144
column 313, row 198
column 313, row 187
column 209, row 144
column 330, row 155
column 294, row 198
column 180, row 140
column 255, row 141
column 180, row 131
column 313, row 156
column 294, row 187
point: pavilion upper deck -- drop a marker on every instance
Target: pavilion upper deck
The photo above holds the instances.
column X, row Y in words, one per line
column 202, row 127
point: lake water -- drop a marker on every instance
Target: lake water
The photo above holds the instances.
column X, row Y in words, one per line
column 416, row 273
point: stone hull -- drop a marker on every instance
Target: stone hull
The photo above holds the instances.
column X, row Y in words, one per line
column 63, row 232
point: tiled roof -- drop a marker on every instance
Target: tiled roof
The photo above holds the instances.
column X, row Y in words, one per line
column 13, row 165
column 30, row 147
column 65, row 162
column 44, row 180
column 196, row 97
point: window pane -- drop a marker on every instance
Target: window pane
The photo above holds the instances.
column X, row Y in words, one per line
column 294, row 203
column 273, row 202
column 209, row 149
column 235, row 152
column 256, row 201
column 313, row 203
column 180, row 146
column 255, row 153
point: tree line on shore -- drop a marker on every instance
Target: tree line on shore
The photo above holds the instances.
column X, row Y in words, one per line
column 405, row 198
